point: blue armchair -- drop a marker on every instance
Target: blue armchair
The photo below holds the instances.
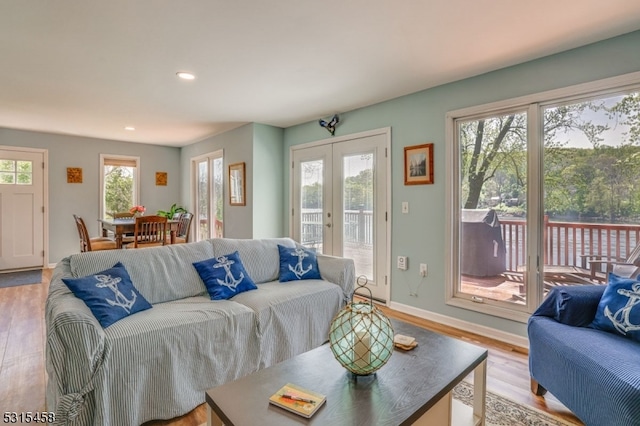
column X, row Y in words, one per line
column 594, row 373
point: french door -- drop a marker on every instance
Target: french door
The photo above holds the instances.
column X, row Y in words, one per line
column 339, row 199
column 21, row 209
column 207, row 175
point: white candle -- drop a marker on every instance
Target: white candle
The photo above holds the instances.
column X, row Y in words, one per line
column 362, row 349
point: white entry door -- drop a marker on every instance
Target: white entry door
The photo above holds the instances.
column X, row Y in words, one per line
column 339, row 201
column 21, row 209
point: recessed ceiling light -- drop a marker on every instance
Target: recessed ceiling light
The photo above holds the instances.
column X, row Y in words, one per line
column 185, row 75
column 130, row 128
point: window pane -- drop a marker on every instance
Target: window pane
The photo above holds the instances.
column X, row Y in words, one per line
column 24, row 178
column 25, row 166
column 119, row 188
column 592, row 190
column 7, row 165
column 218, row 196
column 311, row 200
column 203, row 200
column 358, row 212
column 25, row 172
column 493, row 166
column 7, row 178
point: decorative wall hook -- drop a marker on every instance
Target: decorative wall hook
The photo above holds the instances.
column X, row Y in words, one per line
column 331, row 124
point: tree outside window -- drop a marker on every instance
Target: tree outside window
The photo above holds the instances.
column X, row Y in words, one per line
column 119, row 184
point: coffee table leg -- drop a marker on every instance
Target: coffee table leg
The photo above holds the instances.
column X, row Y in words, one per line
column 212, row 418
column 480, row 392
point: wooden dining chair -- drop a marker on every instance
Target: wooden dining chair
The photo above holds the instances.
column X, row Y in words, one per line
column 149, row 231
column 182, row 233
column 92, row 244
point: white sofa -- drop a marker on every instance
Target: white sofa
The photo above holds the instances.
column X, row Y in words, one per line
column 158, row 363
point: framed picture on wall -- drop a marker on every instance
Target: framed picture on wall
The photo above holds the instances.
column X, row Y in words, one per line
column 418, row 164
column 74, row 174
column 237, row 185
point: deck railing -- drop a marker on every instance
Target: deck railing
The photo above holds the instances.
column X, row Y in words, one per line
column 565, row 243
column 569, row 243
column 358, row 227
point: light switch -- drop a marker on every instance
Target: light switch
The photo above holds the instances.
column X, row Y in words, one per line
column 405, row 207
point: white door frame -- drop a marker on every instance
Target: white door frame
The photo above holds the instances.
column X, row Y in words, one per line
column 385, row 131
column 45, row 195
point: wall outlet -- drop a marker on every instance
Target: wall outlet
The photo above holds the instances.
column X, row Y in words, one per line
column 423, row 269
column 403, row 262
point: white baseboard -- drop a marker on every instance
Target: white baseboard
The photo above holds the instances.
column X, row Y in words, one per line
column 492, row 333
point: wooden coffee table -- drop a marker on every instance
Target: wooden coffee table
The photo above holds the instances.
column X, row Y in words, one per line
column 414, row 387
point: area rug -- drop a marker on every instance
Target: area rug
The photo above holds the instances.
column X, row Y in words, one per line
column 502, row 411
column 12, row 279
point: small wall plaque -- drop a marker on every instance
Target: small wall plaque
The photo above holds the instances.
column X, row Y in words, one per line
column 161, row 178
column 74, row 175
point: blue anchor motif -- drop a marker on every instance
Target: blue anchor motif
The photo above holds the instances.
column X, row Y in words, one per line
column 229, row 280
column 621, row 319
column 299, row 270
column 112, row 284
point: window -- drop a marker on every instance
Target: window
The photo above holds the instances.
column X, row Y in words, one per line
column 546, row 192
column 16, row 172
column 119, row 183
column 208, row 172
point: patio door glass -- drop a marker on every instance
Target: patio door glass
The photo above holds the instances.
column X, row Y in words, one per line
column 591, row 189
column 492, row 241
column 207, row 176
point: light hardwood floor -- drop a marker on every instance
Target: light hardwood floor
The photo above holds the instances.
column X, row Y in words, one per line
column 22, row 352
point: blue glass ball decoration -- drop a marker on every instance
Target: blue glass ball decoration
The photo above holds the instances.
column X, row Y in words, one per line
column 361, row 338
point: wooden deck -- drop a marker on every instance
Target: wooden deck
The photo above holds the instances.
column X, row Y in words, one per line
column 509, row 286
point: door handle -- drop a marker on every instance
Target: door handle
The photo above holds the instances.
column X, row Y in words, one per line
column 328, row 225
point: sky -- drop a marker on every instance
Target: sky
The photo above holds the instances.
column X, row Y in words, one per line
column 612, row 137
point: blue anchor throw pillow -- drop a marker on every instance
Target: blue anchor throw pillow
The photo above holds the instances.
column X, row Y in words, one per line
column 224, row 276
column 619, row 308
column 299, row 263
column 109, row 294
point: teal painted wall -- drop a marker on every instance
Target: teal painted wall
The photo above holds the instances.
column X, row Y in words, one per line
column 83, row 199
column 268, row 177
column 420, row 118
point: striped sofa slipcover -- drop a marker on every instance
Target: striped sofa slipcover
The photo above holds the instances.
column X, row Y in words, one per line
column 158, row 363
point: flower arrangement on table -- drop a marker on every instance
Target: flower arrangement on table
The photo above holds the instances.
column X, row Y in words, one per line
column 137, row 210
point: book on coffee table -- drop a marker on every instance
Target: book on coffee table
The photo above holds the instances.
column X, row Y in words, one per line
column 298, row 400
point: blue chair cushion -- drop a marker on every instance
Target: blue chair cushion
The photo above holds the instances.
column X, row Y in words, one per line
column 298, row 263
column 109, row 294
column 619, row 308
column 224, row 276
column 574, row 305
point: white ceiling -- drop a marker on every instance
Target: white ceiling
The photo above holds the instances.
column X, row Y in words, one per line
column 90, row 68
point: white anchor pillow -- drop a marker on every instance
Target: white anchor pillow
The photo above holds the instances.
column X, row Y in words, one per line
column 619, row 308
column 224, row 276
column 109, row 294
column 298, row 263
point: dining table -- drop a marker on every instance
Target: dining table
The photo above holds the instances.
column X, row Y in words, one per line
column 123, row 226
